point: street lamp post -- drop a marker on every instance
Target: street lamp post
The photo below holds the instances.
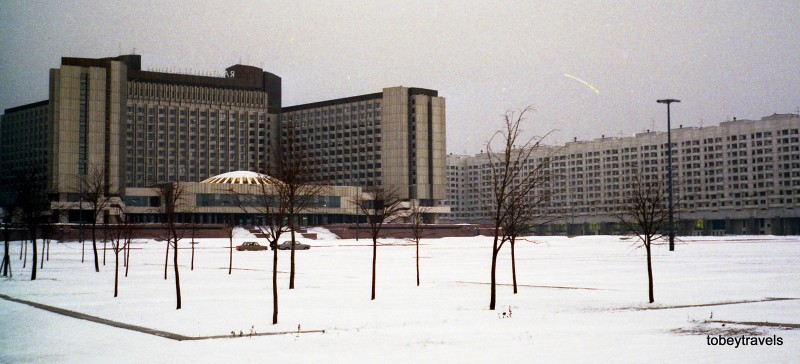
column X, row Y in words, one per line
column 669, row 173
column 81, row 179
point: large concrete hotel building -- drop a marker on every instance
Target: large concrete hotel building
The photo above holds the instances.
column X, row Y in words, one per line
column 143, row 128
column 740, row 177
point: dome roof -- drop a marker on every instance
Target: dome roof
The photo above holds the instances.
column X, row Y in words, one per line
column 241, row 178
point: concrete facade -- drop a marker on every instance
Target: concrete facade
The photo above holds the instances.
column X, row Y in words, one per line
column 214, row 203
column 144, row 128
column 741, row 177
column 188, row 133
column 23, row 148
column 86, row 109
column 393, row 139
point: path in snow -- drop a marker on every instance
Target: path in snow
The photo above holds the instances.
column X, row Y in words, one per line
column 145, row 330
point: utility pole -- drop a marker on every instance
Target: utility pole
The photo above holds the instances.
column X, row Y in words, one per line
column 669, row 173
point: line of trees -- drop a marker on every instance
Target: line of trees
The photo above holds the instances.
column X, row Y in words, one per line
column 518, row 190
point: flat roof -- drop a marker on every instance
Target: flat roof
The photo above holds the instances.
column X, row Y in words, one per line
column 347, row 100
column 27, row 106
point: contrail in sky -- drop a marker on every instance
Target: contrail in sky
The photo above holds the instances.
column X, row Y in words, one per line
column 583, row 82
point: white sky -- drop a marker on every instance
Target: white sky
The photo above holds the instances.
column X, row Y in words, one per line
column 721, row 59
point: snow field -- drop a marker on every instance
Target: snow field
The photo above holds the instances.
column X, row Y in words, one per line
column 579, row 299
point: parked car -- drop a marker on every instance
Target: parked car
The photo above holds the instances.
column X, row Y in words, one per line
column 251, row 245
column 287, row 245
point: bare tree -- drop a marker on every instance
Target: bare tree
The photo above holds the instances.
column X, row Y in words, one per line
column 94, row 189
column 645, row 213
column 380, row 206
column 303, row 187
column 173, row 196
column 166, row 254
column 230, row 224
column 105, row 240
column 44, row 232
column 194, row 235
column 8, row 228
column 48, row 232
column 24, row 254
column 510, row 178
column 121, row 236
column 416, row 214
column 127, row 253
column 268, row 199
column 33, row 208
column 525, row 211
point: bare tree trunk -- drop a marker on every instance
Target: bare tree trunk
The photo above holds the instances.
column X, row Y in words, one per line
column 166, row 261
column 275, row 284
column 493, row 295
column 513, row 265
column 291, row 271
column 374, row 263
column 41, row 265
column 33, row 238
column 105, row 248
column 128, row 259
column 649, row 271
column 116, row 272
column 24, row 258
column 48, row 250
column 7, row 266
column 83, row 249
column 417, row 262
column 230, row 253
column 194, row 227
column 177, row 275
column 94, row 248
column 6, row 259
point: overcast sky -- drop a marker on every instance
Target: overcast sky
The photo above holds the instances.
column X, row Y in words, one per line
column 588, row 68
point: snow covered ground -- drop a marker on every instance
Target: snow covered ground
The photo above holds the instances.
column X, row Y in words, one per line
column 580, row 299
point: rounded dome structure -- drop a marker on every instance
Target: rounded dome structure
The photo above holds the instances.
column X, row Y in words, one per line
column 241, row 178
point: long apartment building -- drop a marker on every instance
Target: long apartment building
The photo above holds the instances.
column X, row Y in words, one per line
column 141, row 128
column 740, row 177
